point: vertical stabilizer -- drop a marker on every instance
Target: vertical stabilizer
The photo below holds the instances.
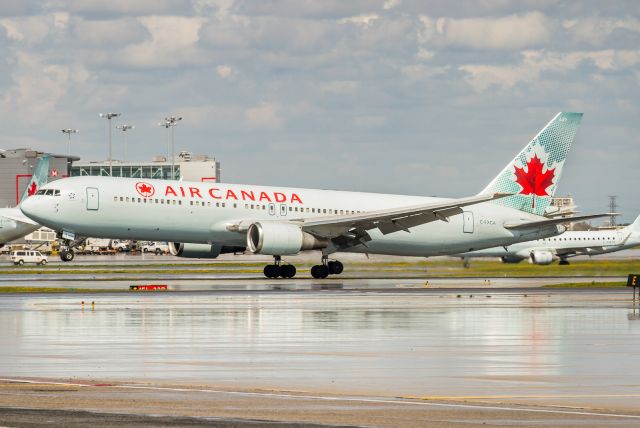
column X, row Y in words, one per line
column 533, row 175
column 39, row 177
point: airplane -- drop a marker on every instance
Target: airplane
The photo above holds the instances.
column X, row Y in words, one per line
column 570, row 244
column 204, row 220
column 13, row 223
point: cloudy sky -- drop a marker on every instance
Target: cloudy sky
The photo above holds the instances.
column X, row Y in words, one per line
column 426, row 97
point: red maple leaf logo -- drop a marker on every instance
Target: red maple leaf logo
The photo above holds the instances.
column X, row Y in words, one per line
column 145, row 189
column 32, row 189
column 533, row 181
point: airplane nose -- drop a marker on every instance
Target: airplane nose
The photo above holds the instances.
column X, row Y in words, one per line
column 31, row 208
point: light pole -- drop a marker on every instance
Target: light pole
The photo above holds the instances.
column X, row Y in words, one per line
column 125, row 128
column 171, row 122
column 69, row 131
column 109, row 116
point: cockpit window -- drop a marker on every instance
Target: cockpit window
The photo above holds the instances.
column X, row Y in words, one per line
column 48, row 192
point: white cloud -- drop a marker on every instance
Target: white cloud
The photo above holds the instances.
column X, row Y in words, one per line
column 511, row 32
column 224, row 71
column 595, row 32
column 172, row 44
column 533, row 63
column 38, row 88
column 264, row 116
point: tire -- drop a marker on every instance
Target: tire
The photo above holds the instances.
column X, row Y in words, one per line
column 268, row 271
column 319, row 271
column 20, row 262
column 67, row 256
column 287, row 271
column 158, row 252
column 335, row 267
column 144, row 250
column 43, row 262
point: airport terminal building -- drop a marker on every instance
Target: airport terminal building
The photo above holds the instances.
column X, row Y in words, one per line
column 186, row 166
column 16, row 168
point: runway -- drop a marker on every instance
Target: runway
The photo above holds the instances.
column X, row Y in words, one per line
column 513, row 347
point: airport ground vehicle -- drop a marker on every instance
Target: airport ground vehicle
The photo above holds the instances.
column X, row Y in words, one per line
column 203, row 220
column 20, row 257
column 157, row 248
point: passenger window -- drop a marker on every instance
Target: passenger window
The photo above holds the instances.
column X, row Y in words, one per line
column 190, row 202
column 115, row 199
column 179, row 202
column 145, row 201
column 313, row 210
column 234, row 205
column 121, row 199
column 218, row 204
column 127, row 199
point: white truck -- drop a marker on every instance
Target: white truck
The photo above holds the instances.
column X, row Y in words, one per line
column 157, row 248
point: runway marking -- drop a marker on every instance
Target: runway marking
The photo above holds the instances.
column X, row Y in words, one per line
column 400, row 400
column 498, row 397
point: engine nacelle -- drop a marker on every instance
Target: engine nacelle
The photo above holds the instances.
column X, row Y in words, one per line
column 201, row 251
column 511, row 259
column 280, row 239
column 541, row 257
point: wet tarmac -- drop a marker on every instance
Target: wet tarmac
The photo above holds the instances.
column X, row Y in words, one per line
column 535, row 347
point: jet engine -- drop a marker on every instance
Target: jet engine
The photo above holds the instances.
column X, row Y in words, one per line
column 201, row 251
column 279, row 239
column 541, row 257
column 511, row 259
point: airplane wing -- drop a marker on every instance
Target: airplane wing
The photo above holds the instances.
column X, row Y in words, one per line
column 389, row 220
column 552, row 221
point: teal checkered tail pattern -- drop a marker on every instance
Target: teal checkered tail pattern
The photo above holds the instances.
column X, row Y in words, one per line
column 39, row 178
column 533, row 175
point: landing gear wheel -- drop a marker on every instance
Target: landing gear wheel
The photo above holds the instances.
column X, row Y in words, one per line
column 287, row 271
column 319, row 271
column 563, row 262
column 67, row 255
column 335, row 267
column 269, row 271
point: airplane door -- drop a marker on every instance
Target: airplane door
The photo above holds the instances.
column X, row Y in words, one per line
column 93, row 202
column 283, row 210
column 467, row 219
column 272, row 209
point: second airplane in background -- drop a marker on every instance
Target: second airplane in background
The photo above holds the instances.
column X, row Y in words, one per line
column 569, row 244
column 205, row 220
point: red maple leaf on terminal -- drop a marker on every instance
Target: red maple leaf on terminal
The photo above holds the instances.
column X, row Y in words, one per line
column 32, row 189
column 533, row 181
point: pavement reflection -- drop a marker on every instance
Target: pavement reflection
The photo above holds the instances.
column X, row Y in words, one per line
column 579, row 348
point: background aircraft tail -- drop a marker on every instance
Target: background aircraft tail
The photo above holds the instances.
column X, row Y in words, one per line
column 635, row 226
column 533, row 175
column 39, row 177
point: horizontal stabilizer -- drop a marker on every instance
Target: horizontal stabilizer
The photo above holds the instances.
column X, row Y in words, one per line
column 552, row 221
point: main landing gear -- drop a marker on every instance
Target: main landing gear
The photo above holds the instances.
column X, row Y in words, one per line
column 333, row 267
column 563, row 262
column 281, row 270
column 277, row 269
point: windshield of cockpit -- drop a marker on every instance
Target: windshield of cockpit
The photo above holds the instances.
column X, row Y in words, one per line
column 48, row 192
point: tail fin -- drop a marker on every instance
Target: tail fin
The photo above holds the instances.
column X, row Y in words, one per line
column 533, row 175
column 39, row 177
column 635, row 226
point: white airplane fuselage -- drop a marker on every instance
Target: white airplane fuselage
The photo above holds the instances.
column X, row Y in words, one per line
column 571, row 243
column 204, row 213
